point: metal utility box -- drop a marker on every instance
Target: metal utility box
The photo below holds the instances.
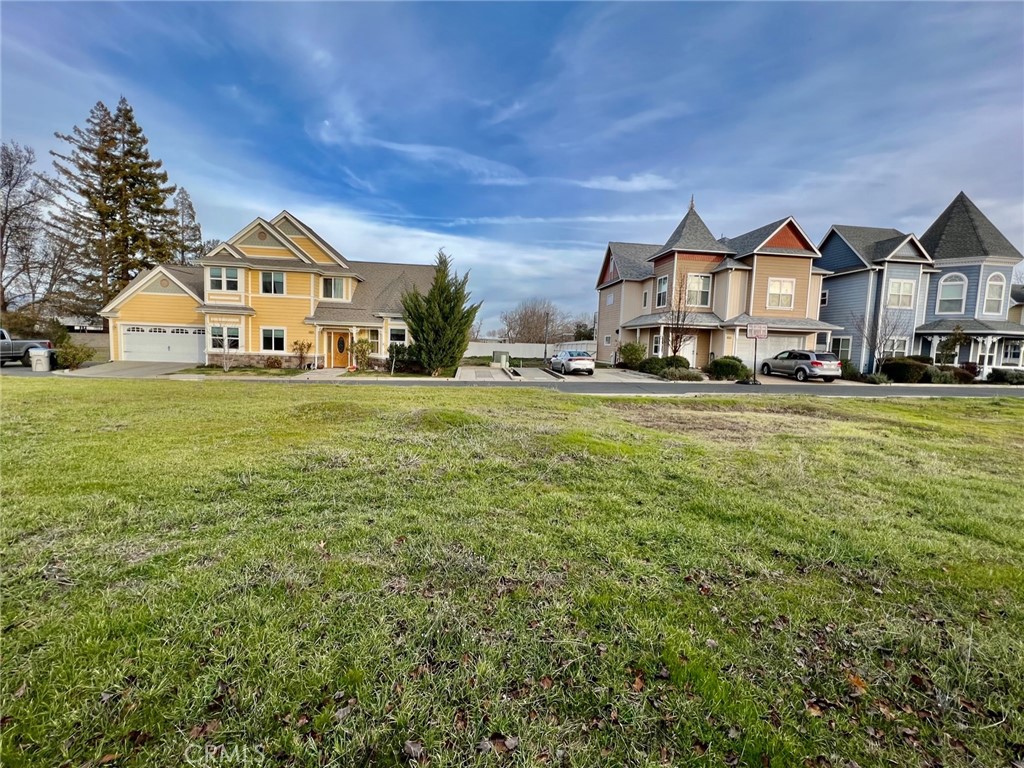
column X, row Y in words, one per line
column 500, row 359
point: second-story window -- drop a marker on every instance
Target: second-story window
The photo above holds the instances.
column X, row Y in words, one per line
column 661, row 295
column 645, row 299
column 780, row 293
column 223, row 278
column 698, row 290
column 994, row 290
column 952, row 295
column 901, row 294
column 272, row 282
column 334, row 288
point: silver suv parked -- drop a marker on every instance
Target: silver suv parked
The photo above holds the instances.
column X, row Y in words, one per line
column 804, row 365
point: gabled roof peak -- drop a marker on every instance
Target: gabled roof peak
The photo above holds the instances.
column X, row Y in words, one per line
column 962, row 231
column 692, row 234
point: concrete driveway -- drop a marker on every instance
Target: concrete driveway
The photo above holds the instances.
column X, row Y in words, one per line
column 124, row 370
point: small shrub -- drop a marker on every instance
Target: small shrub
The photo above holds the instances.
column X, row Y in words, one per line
column 920, row 358
column 877, row 378
column 272, row 362
column 1005, row 376
column 903, row 370
column 936, row 376
column 676, row 361
column 361, row 351
column 959, row 374
column 681, row 374
column 72, row 356
column 971, row 368
column 850, row 372
column 728, row 367
column 301, row 348
column 653, row 365
column 632, row 354
column 402, row 359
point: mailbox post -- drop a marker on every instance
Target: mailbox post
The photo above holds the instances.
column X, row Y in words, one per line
column 756, row 331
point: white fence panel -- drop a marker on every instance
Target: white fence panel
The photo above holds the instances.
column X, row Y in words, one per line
column 485, row 348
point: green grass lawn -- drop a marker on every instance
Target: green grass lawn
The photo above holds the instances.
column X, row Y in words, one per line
column 241, row 370
column 315, row 575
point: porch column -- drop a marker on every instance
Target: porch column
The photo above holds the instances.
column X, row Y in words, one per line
column 661, row 347
column 316, row 347
column 933, row 343
column 351, row 345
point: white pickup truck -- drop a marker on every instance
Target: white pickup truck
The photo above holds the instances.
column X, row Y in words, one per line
column 12, row 350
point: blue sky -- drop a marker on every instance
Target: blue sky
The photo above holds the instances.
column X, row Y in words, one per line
column 523, row 137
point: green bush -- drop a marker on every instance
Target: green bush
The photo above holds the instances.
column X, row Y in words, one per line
column 959, row 374
column 903, row 370
column 936, row 376
column 850, row 372
column 632, row 354
column 877, row 378
column 676, row 361
column 1005, row 376
column 920, row 358
column 728, row 367
column 361, row 351
column 681, row 374
column 653, row 365
column 402, row 358
column 72, row 356
column 272, row 362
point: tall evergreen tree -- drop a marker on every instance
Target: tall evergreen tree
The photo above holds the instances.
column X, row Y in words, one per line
column 440, row 321
column 188, row 240
column 114, row 212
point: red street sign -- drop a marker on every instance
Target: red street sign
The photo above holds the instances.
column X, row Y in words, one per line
column 757, row 331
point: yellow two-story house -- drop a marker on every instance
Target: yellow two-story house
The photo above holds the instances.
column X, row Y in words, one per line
column 702, row 293
column 254, row 296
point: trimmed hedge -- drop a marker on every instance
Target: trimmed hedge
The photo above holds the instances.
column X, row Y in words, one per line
column 962, row 375
column 728, row 367
column 653, row 365
column 935, row 376
column 903, row 370
column 681, row 374
column 1005, row 376
column 920, row 358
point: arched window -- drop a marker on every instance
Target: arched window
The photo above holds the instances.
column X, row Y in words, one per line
column 952, row 295
column 995, row 289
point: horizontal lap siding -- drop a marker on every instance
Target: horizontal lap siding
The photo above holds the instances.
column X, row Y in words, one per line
column 260, row 251
column 607, row 321
column 847, row 297
column 694, row 264
column 905, row 317
column 785, row 267
column 972, row 274
column 836, row 255
column 288, row 311
column 314, row 251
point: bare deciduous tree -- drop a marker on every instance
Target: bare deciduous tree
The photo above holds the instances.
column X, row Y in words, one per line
column 879, row 331
column 23, row 196
column 537, row 320
column 680, row 320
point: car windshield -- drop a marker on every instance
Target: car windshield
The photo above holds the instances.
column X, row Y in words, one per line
column 827, row 357
column 579, row 354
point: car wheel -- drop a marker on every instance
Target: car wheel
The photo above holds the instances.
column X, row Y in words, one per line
column 766, row 369
column 590, row 373
column 801, row 374
column 26, row 359
column 828, row 379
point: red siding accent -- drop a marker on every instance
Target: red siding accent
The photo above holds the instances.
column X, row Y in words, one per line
column 788, row 237
column 610, row 273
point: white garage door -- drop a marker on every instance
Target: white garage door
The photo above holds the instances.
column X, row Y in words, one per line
column 163, row 344
column 767, row 347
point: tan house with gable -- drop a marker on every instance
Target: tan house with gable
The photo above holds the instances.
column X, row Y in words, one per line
column 707, row 291
column 273, row 283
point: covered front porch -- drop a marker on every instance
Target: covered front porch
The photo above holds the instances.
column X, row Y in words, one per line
column 990, row 344
column 333, row 344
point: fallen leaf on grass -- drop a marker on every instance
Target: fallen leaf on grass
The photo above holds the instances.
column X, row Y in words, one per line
column 638, row 683
column 416, row 751
column 813, row 710
column 857, row 683
column 107, row 759
column 204, row 729
column 498, row 743
column 546, row 682
column 21, row 691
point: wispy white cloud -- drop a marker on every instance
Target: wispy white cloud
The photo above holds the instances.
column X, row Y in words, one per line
column 643, row 182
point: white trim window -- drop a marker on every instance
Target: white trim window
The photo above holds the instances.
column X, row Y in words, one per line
column 272, row 339
column 224, row 279
column 397, row 336
column 272, row 283
column 217, row 334
column 995, row 290
column 661, row 294
column 607, row 341
column 656, row 346
column 373, row 336
column 698, row 290
column 781, row 291
column 609, row 298
column 900, row 294
column 646, row 299
column 823, row 301
column 952, row 295
column 894, row 348
column 842, row 346
column 334, row 288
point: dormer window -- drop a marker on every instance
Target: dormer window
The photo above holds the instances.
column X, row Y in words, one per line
column 952, row 295
column 334, row 288
column 995, row 289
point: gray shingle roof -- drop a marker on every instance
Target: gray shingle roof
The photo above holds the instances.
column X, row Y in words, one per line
column 782, row 323
column 692, row 234
column 191, row 276
column 963, row 231
column 747, row 243
column 730, row 263
column 867, row 241
column 380, row 293
column 971, row 326
column 630, row 261
column 693, row 320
